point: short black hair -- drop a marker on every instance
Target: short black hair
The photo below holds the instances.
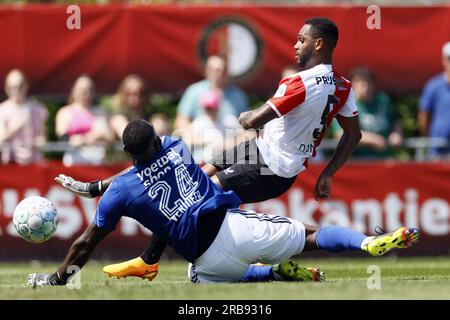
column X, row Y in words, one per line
column 324, row 28
column 137, row 136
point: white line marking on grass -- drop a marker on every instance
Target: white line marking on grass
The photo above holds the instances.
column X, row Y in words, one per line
column 137, row 283
column 13, row 286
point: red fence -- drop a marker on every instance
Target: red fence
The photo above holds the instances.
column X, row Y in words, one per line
column 364, row 196
column 167, row 44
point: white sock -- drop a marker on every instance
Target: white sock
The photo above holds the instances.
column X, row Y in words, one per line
column 366, row 241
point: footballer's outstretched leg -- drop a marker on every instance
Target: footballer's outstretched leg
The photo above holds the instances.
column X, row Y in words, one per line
column 333, row 239
column 338, row 239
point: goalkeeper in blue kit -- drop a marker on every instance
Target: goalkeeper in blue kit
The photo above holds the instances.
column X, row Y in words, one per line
column 170, row 195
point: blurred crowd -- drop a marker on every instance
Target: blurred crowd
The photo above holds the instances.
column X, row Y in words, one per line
column 207, row 116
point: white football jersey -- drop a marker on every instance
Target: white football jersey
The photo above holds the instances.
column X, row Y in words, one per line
column 305, row 103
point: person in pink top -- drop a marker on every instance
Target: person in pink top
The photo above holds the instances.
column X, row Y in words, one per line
column 22, row 122
column 85, row 127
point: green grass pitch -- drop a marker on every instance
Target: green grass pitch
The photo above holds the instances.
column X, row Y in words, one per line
column 401, row 278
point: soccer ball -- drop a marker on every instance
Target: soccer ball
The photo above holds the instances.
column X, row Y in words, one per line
column 35, row 219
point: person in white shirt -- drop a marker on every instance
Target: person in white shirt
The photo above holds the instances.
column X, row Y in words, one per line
column 294, row 122
column 209, row 132
column 22, row 123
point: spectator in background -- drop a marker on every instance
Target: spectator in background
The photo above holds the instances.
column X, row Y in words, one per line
column 22, row 122
column 434, row 113
column 85, row 127
column 207, row 132
column 289, row 70
column 380, row 128
column 161, row 124
column 129, row 103
column 233, row 101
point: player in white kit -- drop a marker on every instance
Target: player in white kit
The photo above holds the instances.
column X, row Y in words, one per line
column 294, row 122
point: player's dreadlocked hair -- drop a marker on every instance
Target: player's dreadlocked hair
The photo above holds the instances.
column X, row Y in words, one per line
column 324, row 28
column 137, row 136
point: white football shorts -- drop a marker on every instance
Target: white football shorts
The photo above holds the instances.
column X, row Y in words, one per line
column 247, row 237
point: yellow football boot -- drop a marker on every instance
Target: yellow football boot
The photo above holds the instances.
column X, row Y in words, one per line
column 291, row 271
column 398, row 239
column 132, row 268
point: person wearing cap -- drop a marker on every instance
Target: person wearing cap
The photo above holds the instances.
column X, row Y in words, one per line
column 209, row 130
column 233, row 101
column 434, row 107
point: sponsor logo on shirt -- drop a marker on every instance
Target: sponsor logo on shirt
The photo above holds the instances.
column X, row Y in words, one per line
column 159, row 167
column 281, row 91
column 325, row 80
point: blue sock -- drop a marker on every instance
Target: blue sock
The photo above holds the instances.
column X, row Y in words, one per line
column 258, row 274
column 337, row 239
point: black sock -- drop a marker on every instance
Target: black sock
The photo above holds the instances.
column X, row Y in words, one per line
column 153, row 252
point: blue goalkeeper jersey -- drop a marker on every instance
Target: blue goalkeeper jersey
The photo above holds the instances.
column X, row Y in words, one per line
column 167, row 195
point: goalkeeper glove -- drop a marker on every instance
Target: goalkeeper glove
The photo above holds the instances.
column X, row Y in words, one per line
column 42, row 280
column 84, row 189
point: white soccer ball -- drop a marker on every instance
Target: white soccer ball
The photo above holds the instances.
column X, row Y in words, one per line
column 35, row 219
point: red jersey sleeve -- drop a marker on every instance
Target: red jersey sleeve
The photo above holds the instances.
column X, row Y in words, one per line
column 290, row 94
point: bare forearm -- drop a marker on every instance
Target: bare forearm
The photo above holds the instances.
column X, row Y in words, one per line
column 81, row 249
column 257, row 118
column 423, row 122
column 78, row 255
column 344, row 150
